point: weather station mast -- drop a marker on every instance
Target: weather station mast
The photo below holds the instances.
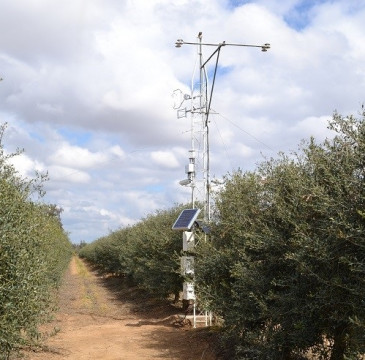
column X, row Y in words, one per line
column 198, row 168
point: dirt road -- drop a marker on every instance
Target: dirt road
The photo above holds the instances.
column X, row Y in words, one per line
column 100, row 318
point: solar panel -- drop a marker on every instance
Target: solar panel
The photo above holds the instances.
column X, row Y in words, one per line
column 186, row 219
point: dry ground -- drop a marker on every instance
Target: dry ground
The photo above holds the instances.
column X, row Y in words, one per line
column 102, row 318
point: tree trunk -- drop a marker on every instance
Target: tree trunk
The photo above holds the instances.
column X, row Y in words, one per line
column 176, row 297
column 339, row 343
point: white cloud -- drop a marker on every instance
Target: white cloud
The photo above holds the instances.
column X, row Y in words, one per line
column 117, row 151
column 312, row 126
column 26, row 166
column 68, row 174
column 76, row 156
column 164, row 159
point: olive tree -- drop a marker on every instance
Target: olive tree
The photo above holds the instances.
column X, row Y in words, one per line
column 34, row 251
column 285, row 265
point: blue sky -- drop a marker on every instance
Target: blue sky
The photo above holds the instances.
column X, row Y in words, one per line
column 87, row 92
column 300, row 16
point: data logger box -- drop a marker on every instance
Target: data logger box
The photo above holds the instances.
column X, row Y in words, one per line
column 188, row 291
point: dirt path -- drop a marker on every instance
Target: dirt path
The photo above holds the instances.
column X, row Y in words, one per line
column 99, row 318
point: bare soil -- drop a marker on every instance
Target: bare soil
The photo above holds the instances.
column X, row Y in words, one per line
column 101, row 317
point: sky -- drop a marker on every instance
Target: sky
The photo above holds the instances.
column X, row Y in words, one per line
column 88, row 87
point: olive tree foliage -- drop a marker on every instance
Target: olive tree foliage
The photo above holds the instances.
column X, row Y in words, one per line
column 146, row 252
column 34, row 251
column 285, row 266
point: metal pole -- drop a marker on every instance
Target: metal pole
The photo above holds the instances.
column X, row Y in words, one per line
column 204, row 112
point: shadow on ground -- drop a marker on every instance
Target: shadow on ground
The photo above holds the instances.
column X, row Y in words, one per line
column 202, row 342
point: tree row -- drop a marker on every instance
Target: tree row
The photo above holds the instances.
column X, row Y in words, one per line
column 284, row 263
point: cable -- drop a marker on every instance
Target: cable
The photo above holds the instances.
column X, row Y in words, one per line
column 238, row 127
column 222, row 140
